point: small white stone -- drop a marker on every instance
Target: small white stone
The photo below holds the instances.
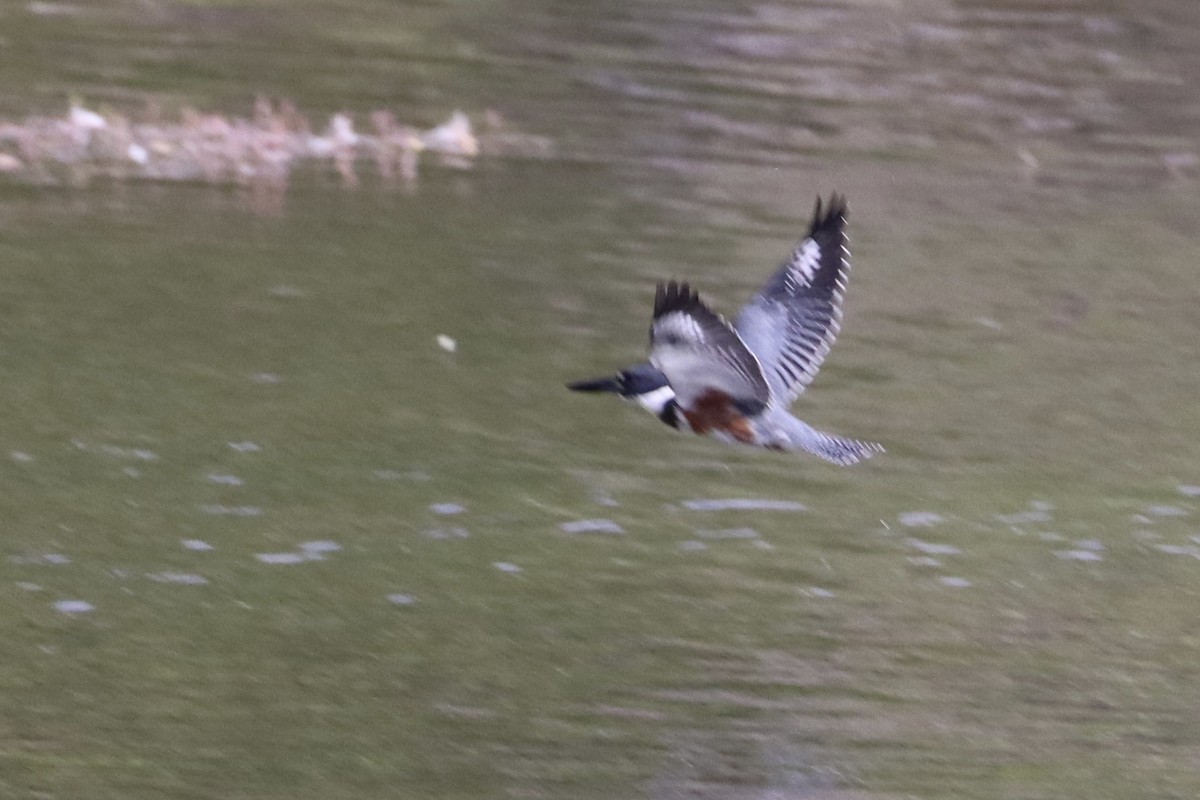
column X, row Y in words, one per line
column 933, row 548
column 225, row 480
column 20, row 456
column 1178, row 550
column 1166, row 511
column 83, row 118
column 402, row 599
column 817, row 591
column 446, row 343
column 505, row 566
column 74, row 606
column 196, row 544
column 591, row 526
column 184, row 578
column 281, row 558
column 447, row 509
column 1079, row 555
column 245, row 447
column 136, row 453
column 957, row 583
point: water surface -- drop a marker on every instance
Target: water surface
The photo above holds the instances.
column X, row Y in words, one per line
column 266, row 535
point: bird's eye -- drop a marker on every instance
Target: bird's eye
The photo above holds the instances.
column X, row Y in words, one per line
column 671, row 339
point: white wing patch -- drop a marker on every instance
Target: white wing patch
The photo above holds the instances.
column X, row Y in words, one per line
column 683, row 327
column 804, row 264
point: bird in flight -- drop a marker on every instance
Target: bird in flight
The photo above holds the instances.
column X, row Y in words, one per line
column 736, row 382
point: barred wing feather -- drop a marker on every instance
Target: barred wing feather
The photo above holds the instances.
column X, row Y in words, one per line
column 791, row 324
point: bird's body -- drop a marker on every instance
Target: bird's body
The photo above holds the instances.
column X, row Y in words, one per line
column 736, row 382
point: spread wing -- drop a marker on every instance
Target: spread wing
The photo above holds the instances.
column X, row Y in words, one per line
column 793, row 321
column 699, row 352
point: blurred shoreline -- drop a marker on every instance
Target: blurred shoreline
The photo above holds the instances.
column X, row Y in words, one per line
column 259, row 151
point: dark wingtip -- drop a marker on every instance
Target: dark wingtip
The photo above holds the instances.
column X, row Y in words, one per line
column 674, row 296
column 834, row 213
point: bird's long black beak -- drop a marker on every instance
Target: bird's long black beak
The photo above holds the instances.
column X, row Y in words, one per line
column 609, row 384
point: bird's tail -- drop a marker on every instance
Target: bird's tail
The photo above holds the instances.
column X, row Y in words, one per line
column 796, row 435
column 839, row 450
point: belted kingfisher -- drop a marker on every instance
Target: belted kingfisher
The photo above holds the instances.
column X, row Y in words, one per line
column 736, row 382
